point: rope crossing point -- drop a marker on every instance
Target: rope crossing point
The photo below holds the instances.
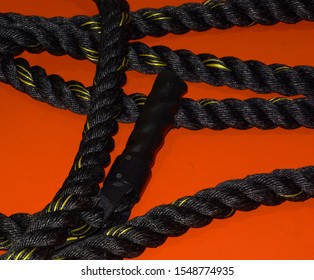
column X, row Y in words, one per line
column 76, row 225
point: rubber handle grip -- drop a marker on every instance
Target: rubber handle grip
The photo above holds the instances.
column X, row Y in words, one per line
column 157, row 117
column 131, row 171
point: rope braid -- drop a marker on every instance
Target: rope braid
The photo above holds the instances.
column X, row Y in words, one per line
column 76, row 213
column 70, row 36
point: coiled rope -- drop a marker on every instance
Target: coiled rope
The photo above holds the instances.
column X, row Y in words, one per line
column 76, row 211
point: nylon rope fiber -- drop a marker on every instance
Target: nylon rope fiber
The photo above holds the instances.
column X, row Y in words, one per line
column 74, row 225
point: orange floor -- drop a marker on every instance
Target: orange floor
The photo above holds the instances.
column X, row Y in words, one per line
column 38, row 142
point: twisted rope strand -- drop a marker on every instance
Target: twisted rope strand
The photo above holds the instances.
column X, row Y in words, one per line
column 221, row 14
column 232, row 113
column 253, row 112
column 207, row 113
column 51, row 89
column 60, row 35
column 229, row 71
column 61, row 220
column 12, row 228
column 151, row 230
column 207, row 68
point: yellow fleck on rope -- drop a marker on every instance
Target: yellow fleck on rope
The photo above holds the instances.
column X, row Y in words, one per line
column 53, row 206
column 5, row 243
column 124, row 231
column 118, row 230
column 109, row 231
column 281, row 69
column 80, row 91
column 231, row 213
column 36, row 47
column 216, row 63
column 251, row 24
column 20, row 255
column 66, row 201
column 179, row 202
column 205, row 102
column 153, row 60
column 92, row 25
column 57, row 203
column 25, row 76
column 9, row 257
column 276, row 99
column 291, row 195
column 79, row 233
column 125, row 19
column 139, row 99
column 183, row 201
column 81, row 230
column 155, row 15
column 213, row 4
column 29, row 254
column 90, row 54
column 86, row 127
column 124, row 64
column 78, row 164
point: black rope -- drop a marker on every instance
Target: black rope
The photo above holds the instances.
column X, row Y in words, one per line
column 151, row 230
column 50, row 228
column 206, row 68
column 213, row 114
column 229, row 71
column 235, row 73
column 60, row 35
column 76, row 212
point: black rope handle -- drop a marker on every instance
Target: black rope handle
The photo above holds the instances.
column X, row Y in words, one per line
column 131, row 171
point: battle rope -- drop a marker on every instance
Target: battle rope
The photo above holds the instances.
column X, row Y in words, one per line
column 254, row 75
column 207, row 68
column 77, row 211
column 205, row 113
column 48, row 229
column 77, row 35
column 151, row 230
